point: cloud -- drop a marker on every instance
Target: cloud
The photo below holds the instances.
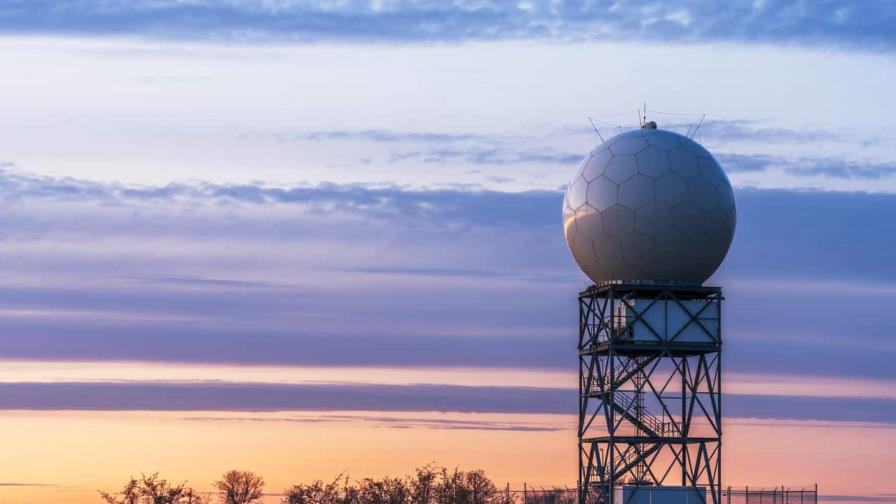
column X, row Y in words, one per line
column 483, row 149
column 391, row 422
column 489, row 156
column 371, row 135
column 746, row 163
column 393, row 202
column 281, row 397
column 440, row 147
column 806, row 167
column 197, row 337
column 14, row 484
column 203, row 282
column 741, row 130
column 818, row 23
column 836, row 168
column 432, row 272
column 259, row 397
column 444, row 277
column 810, row 408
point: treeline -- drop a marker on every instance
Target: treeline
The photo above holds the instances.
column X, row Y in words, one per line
column 428, row 485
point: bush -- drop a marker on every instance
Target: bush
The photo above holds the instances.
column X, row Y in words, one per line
column 153, row 490
column 428, row 485
column 336, row 492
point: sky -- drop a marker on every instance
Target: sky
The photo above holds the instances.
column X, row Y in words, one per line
column 307, row 238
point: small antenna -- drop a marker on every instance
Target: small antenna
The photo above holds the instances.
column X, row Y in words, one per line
column 696, row 127
column 645, row 115
column 594, row 127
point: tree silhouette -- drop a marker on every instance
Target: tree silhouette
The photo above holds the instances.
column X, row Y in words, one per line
column 428, row 485
column 240, row 487
column 153, row 490
column 338, row 491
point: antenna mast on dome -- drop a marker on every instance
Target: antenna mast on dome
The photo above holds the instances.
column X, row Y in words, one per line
column 692, row 134
column 594, row 127
column 597, row 123
column 685, row 123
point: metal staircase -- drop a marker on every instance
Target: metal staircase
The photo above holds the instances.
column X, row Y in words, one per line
column 631, row 406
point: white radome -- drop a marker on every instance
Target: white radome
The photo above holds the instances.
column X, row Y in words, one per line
column 649, row 205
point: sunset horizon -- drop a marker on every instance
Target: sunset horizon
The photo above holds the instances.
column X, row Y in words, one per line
column 344, row 241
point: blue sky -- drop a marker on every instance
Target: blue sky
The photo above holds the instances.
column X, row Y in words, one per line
column 827, row 22
column 274, row 182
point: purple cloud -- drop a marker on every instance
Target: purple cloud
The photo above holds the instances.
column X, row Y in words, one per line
column 258, row 397
column 295, row 275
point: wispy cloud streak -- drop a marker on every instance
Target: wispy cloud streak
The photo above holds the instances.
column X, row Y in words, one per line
column 159, row 396
column 807, row 167
column 392, row 422
column 484, row 149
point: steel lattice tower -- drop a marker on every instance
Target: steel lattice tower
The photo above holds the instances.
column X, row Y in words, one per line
column 649, row 390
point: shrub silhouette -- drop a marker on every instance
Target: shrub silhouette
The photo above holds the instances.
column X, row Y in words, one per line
column 427, row 485
column 153, row 490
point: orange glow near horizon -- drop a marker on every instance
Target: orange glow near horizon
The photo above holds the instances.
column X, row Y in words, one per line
column 76, row 453
column 66, row 456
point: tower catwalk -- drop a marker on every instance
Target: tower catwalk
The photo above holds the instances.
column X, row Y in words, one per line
column 650, row 409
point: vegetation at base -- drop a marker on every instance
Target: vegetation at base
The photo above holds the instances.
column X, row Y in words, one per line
column 428, row 485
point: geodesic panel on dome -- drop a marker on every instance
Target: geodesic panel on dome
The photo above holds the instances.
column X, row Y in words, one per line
column 653, row 219
column 602, row 193
column 618, row 220
column 658, row 139
column 703, row 194
column 649, row 205
column 671, row 188
column 637, row 191
column 684, row 162
column 596, row 164
column 577, row 195
column 621, row 167
column 628, row 145
column 653, row 162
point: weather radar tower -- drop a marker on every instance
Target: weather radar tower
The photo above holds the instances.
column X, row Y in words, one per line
column 648, row 217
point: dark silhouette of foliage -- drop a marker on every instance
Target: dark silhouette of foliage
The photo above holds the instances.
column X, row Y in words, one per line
column 338, row 491
column 240, row 487
column 428, row 485
column 465, row 487
column 384, row 491
column 153, row 490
